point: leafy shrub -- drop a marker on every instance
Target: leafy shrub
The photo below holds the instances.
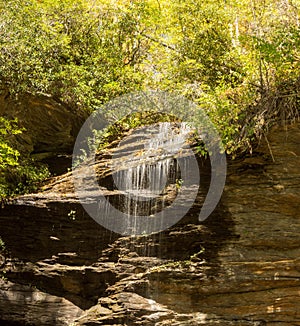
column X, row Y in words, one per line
column 18, row 173
column 8, row 155
column 26, row 177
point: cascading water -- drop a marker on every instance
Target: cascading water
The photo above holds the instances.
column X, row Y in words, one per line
column 145, row 168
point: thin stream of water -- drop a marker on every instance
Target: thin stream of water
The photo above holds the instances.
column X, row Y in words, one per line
column 144, row 183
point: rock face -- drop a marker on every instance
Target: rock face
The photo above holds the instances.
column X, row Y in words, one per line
column 50, row 127
column 29, row 304
column 241, row 266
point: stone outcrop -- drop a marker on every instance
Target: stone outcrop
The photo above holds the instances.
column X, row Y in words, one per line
column 239, row 267
column 50, row 128
column 28, row 306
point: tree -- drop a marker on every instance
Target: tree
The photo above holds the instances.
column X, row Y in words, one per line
column 235, row 59
column 228, row 56
column 80, row 52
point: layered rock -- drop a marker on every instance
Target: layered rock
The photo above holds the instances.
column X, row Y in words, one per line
column 50, row 127
column 24, row 304
column 239, row 267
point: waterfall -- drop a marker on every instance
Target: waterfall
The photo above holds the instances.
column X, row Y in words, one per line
column 144, row 167
column 150, row 170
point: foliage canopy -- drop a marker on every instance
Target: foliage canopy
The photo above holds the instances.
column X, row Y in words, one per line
column 235, row 59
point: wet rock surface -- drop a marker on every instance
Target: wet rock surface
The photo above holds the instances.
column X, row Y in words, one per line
column 241, row 266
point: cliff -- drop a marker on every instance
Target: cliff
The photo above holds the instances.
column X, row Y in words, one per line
column 241, row 266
